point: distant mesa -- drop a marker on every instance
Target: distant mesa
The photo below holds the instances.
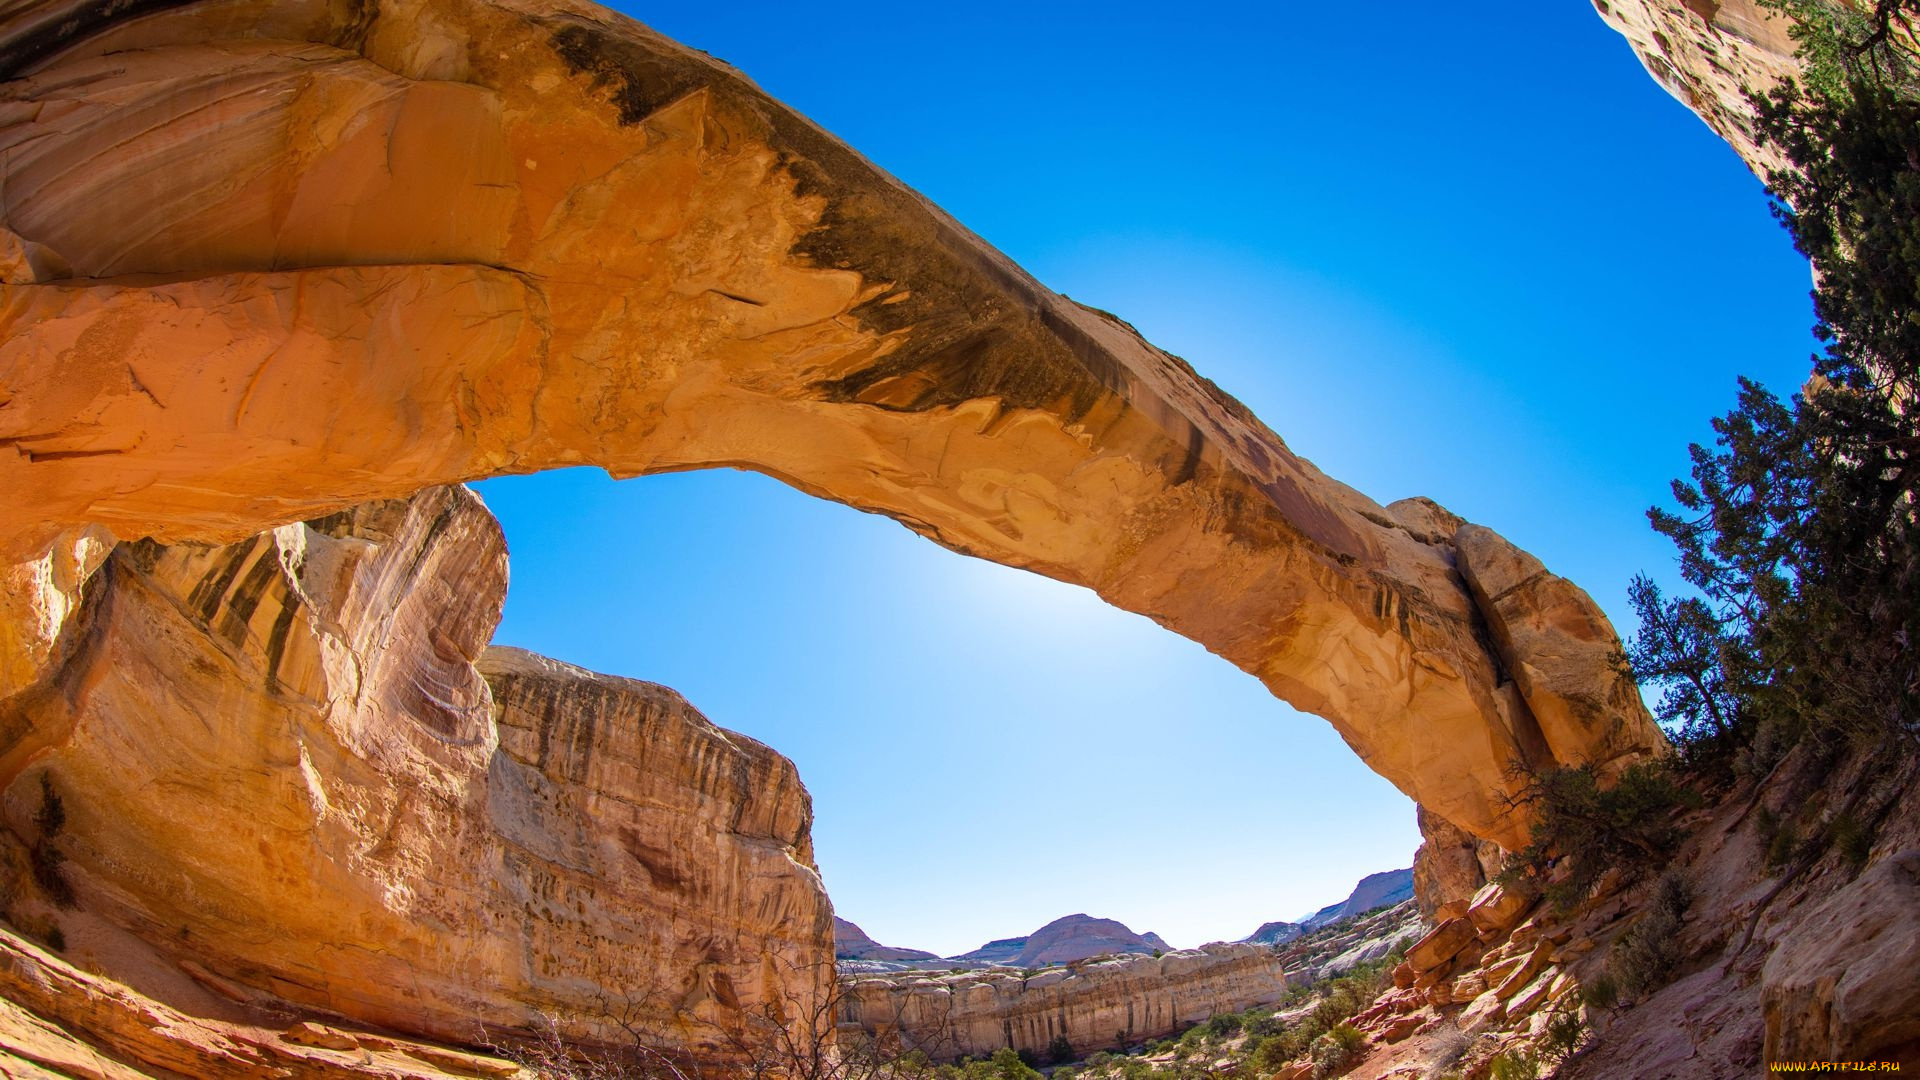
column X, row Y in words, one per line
column 1273, row 933
column 1004, row 950
column 1073, row 938
column 1077, row 937
column 1063, row 941
column 852, row 943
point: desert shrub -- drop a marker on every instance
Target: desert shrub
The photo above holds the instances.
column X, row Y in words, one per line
column 549, row 1056
column 1601, row 992
column 1015, row 1064
column 1782, row 845
column 1272, row 1052
column 1260, row 1023
column 1514, row 1065
column 1593, row 828
column 1852, row 838
column 1565, row 1033
column 1224, row 1026
column 1644, row 957
column 1336, row 1051
column 1345, row 996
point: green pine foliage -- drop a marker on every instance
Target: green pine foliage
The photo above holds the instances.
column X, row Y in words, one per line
column 1797, row 530
column 1591, row 828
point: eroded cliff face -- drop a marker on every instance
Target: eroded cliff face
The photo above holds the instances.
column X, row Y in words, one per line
column 266, row 259
column 1707, row 54
column 1095, row 1004
column 288, row 767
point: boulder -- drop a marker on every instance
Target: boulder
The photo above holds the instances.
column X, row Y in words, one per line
column 1482, row 1013
column 1535, row 962
column 1440, row 945
column 1845, row 983
column 1499, row 908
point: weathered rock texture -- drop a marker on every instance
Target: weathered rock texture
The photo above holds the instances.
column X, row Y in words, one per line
column 58, row 1021
column 1095, row 1004
column 266, row 259
column 1338, row 946
column 1844, row 984
column 279, row 762
column 1707, row 53
column 1451, row 864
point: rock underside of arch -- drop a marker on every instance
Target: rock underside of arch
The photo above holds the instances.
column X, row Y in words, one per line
column 279, row 274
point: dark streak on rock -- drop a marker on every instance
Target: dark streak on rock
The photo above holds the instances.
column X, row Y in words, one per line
column 656, row 864
column 246, row 599
column 350, row 33
column 277, row 642
column 641, row 80
column 1195, row 444
column 62, row 28
column 206, row 594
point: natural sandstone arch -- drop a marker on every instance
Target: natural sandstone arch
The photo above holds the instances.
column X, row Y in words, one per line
column 269, row 259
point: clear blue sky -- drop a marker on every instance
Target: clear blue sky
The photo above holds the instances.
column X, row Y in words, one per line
column 1470, row 252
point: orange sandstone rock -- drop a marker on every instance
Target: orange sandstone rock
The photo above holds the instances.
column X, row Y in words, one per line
column 1498, row 908
column 1441, row 944
column 281, row 763
column 1091, row 1004
column 267, row 259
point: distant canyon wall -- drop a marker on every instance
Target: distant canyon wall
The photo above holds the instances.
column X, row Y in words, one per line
column 1097, row 1004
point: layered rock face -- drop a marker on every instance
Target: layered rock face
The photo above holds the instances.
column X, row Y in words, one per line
column 1845, row 983
column 266, row 259
column 287, row 765
column 1094, row 1005
column 59, row 1021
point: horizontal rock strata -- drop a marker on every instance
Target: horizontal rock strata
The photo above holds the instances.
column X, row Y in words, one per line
column 1095, row 1005
column 288, row 765
column 59, row 1021
column 267, row 259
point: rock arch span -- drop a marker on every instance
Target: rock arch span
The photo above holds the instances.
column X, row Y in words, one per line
column 270, row 258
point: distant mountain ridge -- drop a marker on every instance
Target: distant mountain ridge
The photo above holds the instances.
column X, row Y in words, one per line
column 1374, row 891
column 1077, row 937
column 1273, row 933
column 1062, row 941
column 852, row 943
